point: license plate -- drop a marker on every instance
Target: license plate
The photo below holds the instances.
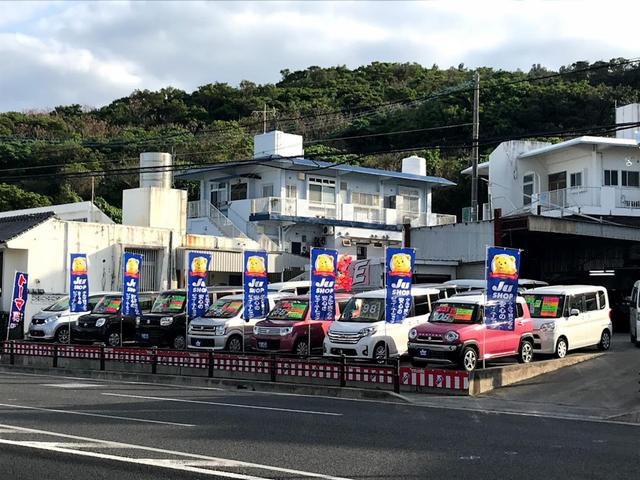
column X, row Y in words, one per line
column 262, row 344
column 145, row 336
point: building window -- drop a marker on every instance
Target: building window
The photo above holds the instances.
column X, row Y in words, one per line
column 239, row 191
column 291, row 191
column 366, row 199
column 611, row 177
column 527, row 188
column 218, row 195
column 361, row 252
column 322, row 190
column 576, row 179
column 267, row 190
column 557, row 181
column 630, row 179
column 410, row 200
column 390, row 201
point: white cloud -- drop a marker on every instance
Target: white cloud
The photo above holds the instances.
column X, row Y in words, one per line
column 93, row 52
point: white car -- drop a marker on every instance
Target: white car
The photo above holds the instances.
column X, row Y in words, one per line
column 569, row 317
column 361, row 331
column 222, row 326
column 634, row 314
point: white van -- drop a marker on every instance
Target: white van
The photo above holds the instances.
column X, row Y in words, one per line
column 361, row 331
column 634, row 314
column 567, row 317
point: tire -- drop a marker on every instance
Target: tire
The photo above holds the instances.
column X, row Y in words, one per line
column 234, row 344
column 62, row 335
column 562, row 347
column 525, row 354
column 633, row 338
column 605, row 341
column 381, row 353
column 302, row 348
column 179, row 342
column 113, row 339
column 469, row 359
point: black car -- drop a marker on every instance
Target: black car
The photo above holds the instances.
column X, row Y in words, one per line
column 105, row 324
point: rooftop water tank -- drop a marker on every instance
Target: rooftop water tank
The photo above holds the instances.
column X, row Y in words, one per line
column 155, row 170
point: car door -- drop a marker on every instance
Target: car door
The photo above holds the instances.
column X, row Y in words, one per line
column 633, row 312
column 574, row 323
column 591, row 326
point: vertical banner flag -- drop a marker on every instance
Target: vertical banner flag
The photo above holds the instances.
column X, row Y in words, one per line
column 399, row 264
column 19, row 300
column 503, row 266
column 323, row 283
column 79, row 283
column 256, row 284
column 197, row 294
column 130, row 284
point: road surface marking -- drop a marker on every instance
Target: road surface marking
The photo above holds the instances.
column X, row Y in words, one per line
column 88, row 414
column 220, row 404
column 72, row 385
column 189, row 462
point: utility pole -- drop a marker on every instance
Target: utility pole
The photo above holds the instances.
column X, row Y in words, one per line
column 475, row 152
column 264, row 114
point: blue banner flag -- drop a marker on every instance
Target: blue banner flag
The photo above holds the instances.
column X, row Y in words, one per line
column 79, row 283
column 323, row 283
column 197, row 294
column 503, row 267
column 130, row 284
column 256, row 284
column 19, row 300
column 399, row 264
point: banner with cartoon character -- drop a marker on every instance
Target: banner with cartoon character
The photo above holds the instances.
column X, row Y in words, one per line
column 197, row 294
column 79, row 283
column 323, row 283
column 503, row 267
column 130, row 284
column 19, row 300
column 399, row 264
column 256, row 284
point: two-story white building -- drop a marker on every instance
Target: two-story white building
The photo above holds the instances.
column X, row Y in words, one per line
column 289, row 203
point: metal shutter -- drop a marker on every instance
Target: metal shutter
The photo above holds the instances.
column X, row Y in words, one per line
column 149, row 280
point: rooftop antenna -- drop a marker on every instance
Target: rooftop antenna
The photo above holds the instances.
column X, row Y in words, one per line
column 265, row 113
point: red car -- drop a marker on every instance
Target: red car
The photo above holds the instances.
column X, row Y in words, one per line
column 456, row 333
column 289, row 329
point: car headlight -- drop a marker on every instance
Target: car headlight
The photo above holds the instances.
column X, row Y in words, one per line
column 548, row 327
column 166, row 321
column 365, row 332
column 451, row 336
column 413, row 334
column 286, row 331
column 50, row 319
column 255, row 330
column 220, row 329
column 137, row 321
column 100, row 322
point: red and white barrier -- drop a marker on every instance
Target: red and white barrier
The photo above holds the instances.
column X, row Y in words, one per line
column 425, row 377
column 299, row 368
column 369, row 374
column 233, row 363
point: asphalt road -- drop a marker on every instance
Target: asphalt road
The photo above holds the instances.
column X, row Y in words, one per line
column 53, row 427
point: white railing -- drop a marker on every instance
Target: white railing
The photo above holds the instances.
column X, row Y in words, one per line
column 321, row 210
column 571, row 198
column 224, row 224
column 281, row 206
column 627, row 197
column 194, row 210
column 364, row 213
column 440, row 219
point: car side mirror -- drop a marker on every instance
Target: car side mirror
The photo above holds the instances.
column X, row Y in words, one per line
column 574, row 312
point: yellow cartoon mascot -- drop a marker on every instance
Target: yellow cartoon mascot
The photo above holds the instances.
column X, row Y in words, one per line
column 400, row 264
column 79, row 266
column 199, row 266
column 256, row 266
column 504, row 265
column 133, row 267
column 324, row 264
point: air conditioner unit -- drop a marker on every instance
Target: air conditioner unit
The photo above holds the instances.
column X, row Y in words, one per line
column 328, row 230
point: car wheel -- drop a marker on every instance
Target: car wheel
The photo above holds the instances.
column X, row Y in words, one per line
column 179, row 342
column 234, row 344
column 605, row 341
column 302, row 348
column 62, row 335
column 561, row 348
column 633, row 338
column 525, row 355
column 469, row 359
column 113, row 340
column 380, row 353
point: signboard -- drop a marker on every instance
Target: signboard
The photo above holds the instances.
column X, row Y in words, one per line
column 503, row 267
column 130, row 284
column 197, row 294
column 256, row 284
column 399, row 264
column 323, row 283
column 79, row 283
column 19, row 300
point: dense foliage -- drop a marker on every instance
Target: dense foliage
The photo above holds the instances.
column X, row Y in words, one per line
column 44, row 156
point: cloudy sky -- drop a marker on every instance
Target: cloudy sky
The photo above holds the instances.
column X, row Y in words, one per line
column 55, row 53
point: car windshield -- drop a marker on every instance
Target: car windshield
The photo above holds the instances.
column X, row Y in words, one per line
column 169, row 303
column 545, row 306
column 289, row 310
column 363, row 310
column 108, row 305
column 450, row 312
column 59, row 306
column 224, row 309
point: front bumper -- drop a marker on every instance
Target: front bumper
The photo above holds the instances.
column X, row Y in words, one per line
column 89, row 334
column 273, row 343
column 41, row 332
column 436, row 352
column 159, row 336
column 206, row 342
column 544, row 342
column 363, row 348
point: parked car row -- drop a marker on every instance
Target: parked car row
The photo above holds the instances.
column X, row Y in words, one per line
column 445, row 324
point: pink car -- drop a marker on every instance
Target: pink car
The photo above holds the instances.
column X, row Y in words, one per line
column 456, row 333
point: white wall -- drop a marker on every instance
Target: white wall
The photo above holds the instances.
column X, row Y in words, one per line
column 79, row 211
column 462, row 242
column 156, row 208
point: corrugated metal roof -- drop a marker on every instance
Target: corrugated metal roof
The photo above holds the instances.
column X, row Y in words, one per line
column 584, row 140
column 306, row 164
column 11, row 227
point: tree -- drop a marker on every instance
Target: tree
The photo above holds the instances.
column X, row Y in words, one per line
column 13, row 197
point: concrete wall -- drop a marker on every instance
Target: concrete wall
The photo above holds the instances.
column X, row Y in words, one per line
column 156, row 208
column 461, row 242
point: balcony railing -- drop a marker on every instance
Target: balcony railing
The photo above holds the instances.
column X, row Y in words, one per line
column 628, row 197
column 568, row 198
column 280, row 206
